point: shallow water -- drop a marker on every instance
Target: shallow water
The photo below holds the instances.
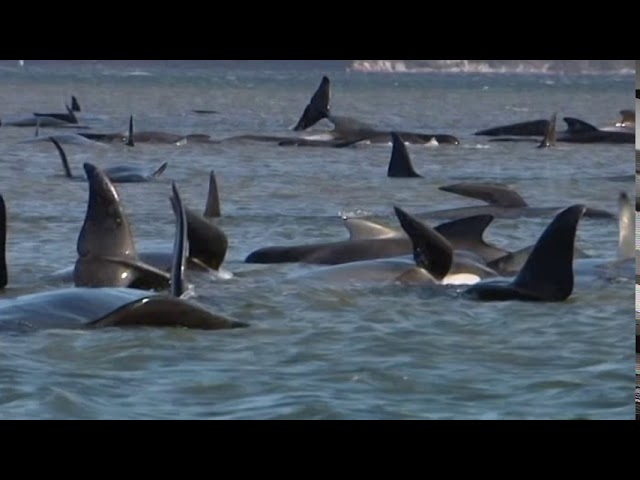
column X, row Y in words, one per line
column 314, row 350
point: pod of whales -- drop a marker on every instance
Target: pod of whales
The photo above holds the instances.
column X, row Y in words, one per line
column 463, row 234
column 90, row 308
column 546, row 276
column 106, row 234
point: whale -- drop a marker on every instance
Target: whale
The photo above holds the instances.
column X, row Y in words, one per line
column 132, row 137
column 348, row 129
column 69, row 117
column 106, row 307
column 504, row 202
column 577, row 131
column 463, row 234
column 445, row 265
column 41, row 121
column 107, row 255
column 584, row 264
column 207, row 243
column 115, row 173
column 547, row 275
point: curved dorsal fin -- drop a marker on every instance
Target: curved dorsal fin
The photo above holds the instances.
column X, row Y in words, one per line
column 400, row 165
column 549, row 139
column 180, row 244
column 575, row 125
column 105, row 233
column 431, row 250
column 212, row 207
column 497, row 194
column 63, row 157
column 467, row 228
column 318, row 107
column 160, row 170
column 361, row 229
column 626, row 226
column 548, row 272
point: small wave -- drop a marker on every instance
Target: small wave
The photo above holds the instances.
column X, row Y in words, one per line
column 130, row 73
column 494, row 66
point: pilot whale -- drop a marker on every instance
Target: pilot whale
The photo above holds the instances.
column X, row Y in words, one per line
column 548, row 273
column 207, row 243
column 434, row 262
column 504, row 202
column 349, row 129
column 463, row 234
column 132, row 137
column 94, row 308
column 578, row 131
column 585, row 265
column 107, row 255
column 116, row 173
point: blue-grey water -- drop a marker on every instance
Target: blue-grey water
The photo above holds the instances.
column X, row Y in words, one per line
column 313, row 350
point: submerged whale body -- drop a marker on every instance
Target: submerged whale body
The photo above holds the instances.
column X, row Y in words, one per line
column 504, row 202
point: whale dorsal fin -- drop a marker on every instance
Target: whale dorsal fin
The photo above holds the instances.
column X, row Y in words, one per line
column 361, row 229
column 318, row 107
column 106, row 249
column 575, row 125
column 63, row 157
column 431, row 250
column 129, row 140
column 548, row 272
column 626, row 226
column 160, row 170
column 75, row 105
column 400, row 165
column 549, row 139
column 497, row 194
column 469, row 230
column 212, row 207
column 180, row 244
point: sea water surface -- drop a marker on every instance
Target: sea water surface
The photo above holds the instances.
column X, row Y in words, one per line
column 314, row 350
